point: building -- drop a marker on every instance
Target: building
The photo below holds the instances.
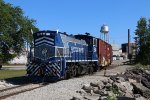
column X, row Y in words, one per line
column 132, row 49
column 21, row 59
column 117, row 52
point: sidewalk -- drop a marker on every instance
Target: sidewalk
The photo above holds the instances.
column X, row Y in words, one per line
column 14, row 67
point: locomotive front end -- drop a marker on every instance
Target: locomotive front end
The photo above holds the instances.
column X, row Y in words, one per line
column 44, row 62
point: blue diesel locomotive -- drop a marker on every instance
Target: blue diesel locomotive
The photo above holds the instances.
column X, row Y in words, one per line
column 59, row 55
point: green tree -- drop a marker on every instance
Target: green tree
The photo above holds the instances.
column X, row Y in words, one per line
column 148, row 43
column 143, row 41
column 15, row 29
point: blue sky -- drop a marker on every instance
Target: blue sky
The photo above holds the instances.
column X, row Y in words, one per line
column 80, row 16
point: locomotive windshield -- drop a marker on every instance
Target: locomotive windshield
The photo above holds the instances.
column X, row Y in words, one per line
column 44, row 44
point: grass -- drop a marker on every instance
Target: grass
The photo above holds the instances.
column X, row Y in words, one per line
column 116, row 91
column 4, row 74
column 144, row 67
column 111, row 97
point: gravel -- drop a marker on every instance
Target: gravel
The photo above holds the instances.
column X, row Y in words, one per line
column 62, row 90
column 4, row 84
column 65, row 89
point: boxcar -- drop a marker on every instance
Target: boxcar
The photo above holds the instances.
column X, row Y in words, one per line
column 104, row 51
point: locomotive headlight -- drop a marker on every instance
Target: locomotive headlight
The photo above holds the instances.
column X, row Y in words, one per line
column 44, row 51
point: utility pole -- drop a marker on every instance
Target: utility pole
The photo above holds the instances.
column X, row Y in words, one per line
column 128, row 42
column 129, row 47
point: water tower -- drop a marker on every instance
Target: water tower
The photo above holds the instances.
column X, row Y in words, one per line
column 104, row 33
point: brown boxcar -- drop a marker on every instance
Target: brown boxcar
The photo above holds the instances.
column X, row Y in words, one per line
column 104, row 51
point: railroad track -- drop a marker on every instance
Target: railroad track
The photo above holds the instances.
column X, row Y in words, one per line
column 5, row 93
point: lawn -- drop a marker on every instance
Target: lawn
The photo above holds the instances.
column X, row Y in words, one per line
column 11, row 73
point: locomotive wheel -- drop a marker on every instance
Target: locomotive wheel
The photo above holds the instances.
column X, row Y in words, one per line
column 78, row 71
column 74, row 72
column 91, row 70
column 71, row 74
column 98, row 68
column 66, row 75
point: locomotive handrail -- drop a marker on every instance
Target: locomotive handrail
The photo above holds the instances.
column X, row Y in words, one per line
column 59, row 54
column 60, row 58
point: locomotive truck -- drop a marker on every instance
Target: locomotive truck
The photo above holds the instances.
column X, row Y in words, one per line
column 58, row 55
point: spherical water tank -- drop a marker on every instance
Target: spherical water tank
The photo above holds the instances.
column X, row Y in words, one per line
column 104, row 29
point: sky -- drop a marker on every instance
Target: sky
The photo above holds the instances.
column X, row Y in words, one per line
column 80, row 16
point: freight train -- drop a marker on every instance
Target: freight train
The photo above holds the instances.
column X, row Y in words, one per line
column 58, row 55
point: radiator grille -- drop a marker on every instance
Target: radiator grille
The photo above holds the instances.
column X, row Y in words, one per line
column 44, row 52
